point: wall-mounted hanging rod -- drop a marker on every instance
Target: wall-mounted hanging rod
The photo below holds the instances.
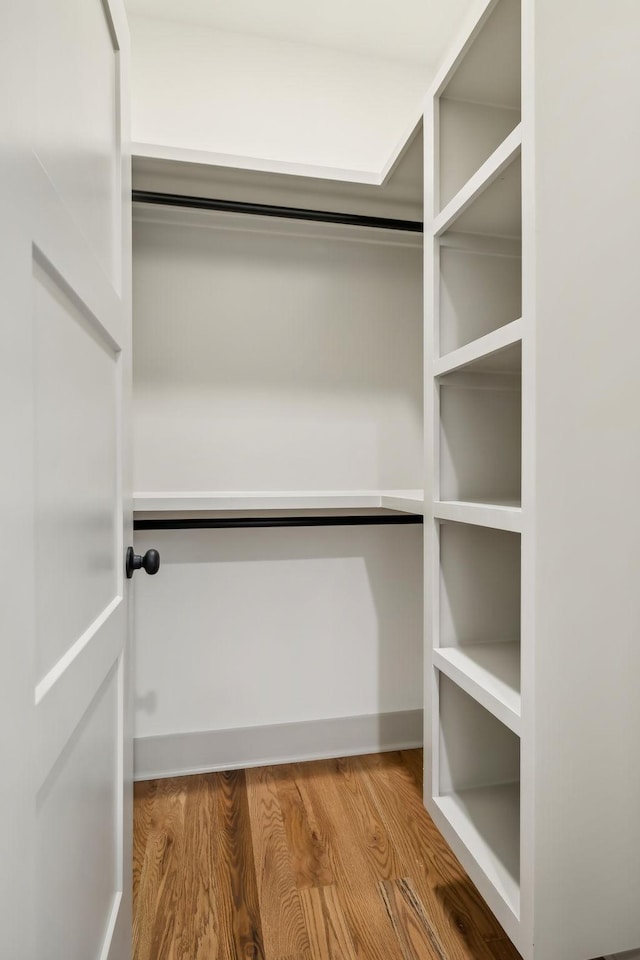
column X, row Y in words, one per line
column 221, row 523
column 271, row 210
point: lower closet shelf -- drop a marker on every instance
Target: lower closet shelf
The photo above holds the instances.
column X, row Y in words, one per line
column 487, row 822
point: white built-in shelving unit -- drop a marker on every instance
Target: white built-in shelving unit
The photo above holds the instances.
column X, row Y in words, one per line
column 525, row 711
column 474, row 343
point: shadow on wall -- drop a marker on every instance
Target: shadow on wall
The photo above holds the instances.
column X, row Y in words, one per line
column 256, row 627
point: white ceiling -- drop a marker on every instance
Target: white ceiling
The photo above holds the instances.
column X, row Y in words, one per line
column 411, row 30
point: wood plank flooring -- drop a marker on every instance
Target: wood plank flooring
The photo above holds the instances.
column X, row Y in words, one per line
column 329, row 860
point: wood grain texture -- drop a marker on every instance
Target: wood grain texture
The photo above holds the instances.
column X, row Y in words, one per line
column 330, row 860
column 412, row 926
column 283, row 927
column 456, row 909
column 195, row 892
column 308, row 845
column 158, row 868
column 414, row 761
column 196, row 931
column 353, row 862
column 329, row 932
column 238, row 903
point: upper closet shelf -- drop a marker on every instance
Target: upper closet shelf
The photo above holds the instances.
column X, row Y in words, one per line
column 407, row 501
column 490, row 170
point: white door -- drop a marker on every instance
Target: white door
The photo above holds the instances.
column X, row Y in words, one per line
column 64, row 390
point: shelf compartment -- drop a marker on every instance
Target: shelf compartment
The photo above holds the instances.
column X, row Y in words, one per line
column 469, row 134
column 479, row 791
column 480, row 102
column 480, row 438
column 486, row 204
column 487, row 822
column 490, row 67
column 497, row 352
column 479, row 589
column 480, row 291
column 488, row 672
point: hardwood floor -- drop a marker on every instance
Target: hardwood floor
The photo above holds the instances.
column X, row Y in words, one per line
column 329, row 860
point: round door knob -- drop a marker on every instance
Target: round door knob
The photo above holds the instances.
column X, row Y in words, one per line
column 150, row 562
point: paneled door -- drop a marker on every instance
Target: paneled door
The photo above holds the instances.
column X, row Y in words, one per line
column 65, row 833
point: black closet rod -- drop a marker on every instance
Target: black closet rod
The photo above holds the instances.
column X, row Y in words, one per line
column 271, row 210
column 221, row 523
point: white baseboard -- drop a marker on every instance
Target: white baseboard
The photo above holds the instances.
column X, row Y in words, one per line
column 179, row 754
column 632, row 955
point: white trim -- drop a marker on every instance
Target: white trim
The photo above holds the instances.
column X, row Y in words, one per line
column 180, row 754
column 109, row 939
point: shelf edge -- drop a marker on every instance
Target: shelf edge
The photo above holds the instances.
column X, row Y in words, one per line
column 481, row 694
column 490, row 170
column 479, row 514
column 505, row 336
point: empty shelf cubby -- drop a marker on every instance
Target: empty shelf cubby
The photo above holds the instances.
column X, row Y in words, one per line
column 480, row 291
column 481, row 438
column 480, row 104
column 479, row 788
column 479, row 620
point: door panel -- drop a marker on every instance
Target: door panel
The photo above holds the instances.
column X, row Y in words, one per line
column 77, row 809
column 67, row 691
column 65, row 370
column 78, row 117
column 77, row 514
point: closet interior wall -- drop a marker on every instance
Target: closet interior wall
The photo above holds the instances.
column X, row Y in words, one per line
column 278, row 356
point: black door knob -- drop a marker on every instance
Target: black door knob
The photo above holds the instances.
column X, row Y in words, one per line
column 150, row 562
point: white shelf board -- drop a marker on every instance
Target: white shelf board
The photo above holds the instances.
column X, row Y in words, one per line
column 493, row 353
column 488, row 672
column 409, row 501
column 485, row 823
column 500, row 515
column 161, row 151
column 490, row 170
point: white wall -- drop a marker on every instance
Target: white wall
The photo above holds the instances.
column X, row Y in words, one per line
column 265, row 103
column 275, row 357
column 271, row 355
column 255, row 627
